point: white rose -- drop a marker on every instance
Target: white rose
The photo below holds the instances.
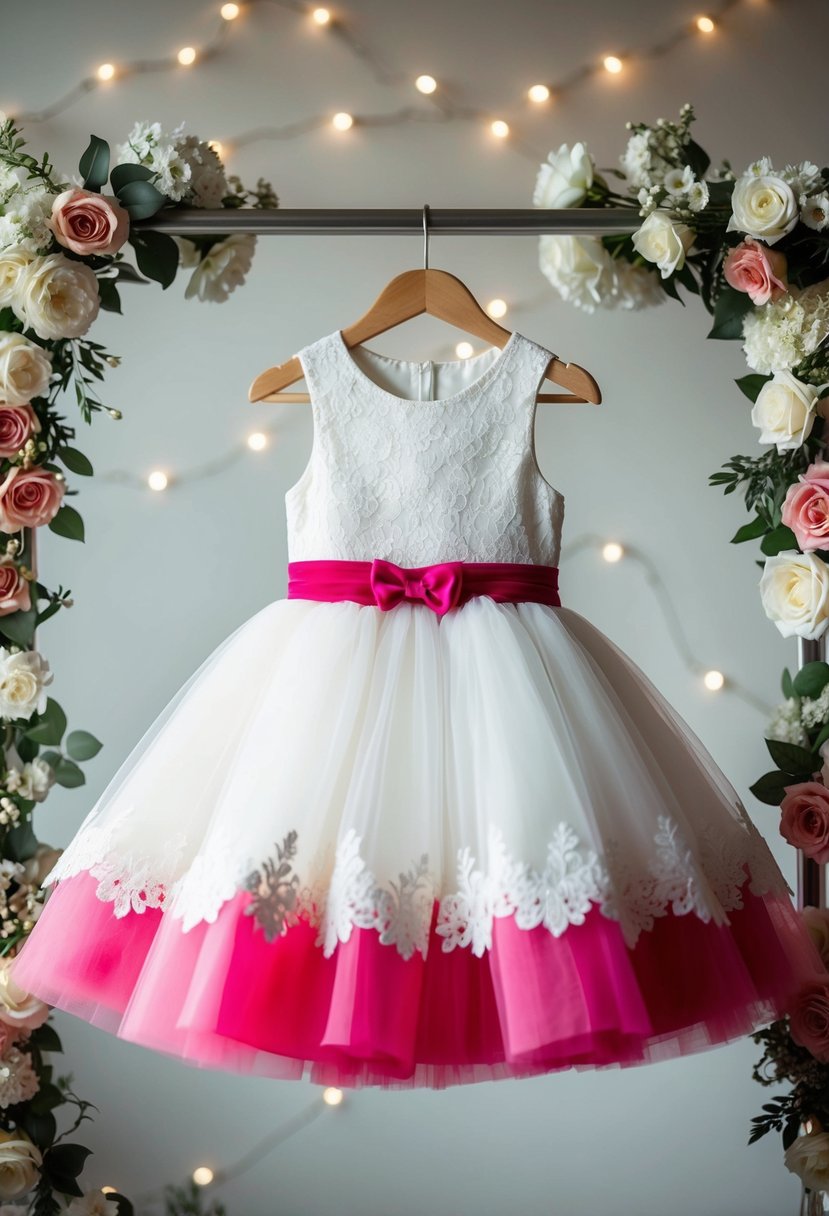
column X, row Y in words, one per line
column 222, row 269
column 764, row 206
column 13, row 262
column 794, row 589
column 93, row 1203
column 25, row 369
column 57, row 297
column 564, row 178
column 19, row 1164
column 664, row 240
column 578, row 268
column 808, row 1157
column 784, row 411
column 24, row 675
column 18, row 1008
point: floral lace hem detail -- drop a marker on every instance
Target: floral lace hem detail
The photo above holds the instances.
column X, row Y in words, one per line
column 708, row 883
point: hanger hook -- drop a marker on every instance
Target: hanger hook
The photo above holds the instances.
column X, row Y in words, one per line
column 425, row 236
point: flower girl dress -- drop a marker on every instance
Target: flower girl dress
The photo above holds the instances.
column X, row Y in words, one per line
column 418, row 824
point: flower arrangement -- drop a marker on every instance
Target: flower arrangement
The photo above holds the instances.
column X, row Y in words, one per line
column 63, row 258
column 754, row 246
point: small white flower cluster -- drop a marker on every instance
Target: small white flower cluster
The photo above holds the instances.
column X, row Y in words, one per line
column 814, row 711
column 780, row 334
column 786, row 725
column 187, row 169
column 805, row 181
column 18, row 1079
column 656, row 168
column 25, row 211
column 585, row 275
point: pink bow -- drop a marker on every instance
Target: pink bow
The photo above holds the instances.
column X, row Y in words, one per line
column 438, row 586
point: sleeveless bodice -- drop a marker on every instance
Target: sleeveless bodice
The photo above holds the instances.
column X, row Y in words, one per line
column 423, row 462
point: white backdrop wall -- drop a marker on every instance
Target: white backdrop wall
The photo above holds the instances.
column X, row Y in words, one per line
column 163, row 578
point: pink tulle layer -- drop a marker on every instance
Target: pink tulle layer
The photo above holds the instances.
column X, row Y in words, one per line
column 222, row 996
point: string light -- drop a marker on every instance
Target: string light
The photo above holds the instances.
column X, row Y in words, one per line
column 332, row 1096
column 499, row 128
column 464, row 350
column 186, row 56
column 321, row 16
column 108, row 1190
column 612, row 64
column 426, row 84
column 158, row 480
column 705, row 25
column 713, row 680
column 342, row 121
column 203, row 1175
column 497, row 308
column 538, row 92
column 229, row 12
column 612, row 551
column 257, row 441
column 106, row 71
column 217, row 146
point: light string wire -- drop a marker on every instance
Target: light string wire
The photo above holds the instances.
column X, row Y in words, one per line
column 444, row 107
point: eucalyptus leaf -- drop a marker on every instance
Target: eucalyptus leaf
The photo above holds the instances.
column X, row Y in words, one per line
column 730, row 308
column 786, row 684
column 797, row 761
column 777, row 540
column 50, row 725
column 94, row 164
column 67, row 523
column 812, row 678
column 156, row 254
column 771, row 787
column 122, row 175
column 750, row 531
column 141, row 199
column 19, row 627
column 68, row 774
column 81, row 745
column 75, row 461
column 751, row 384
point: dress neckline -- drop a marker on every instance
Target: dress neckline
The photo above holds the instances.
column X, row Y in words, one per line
column 492, row 370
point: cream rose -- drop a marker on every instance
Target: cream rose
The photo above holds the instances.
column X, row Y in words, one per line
column 57, row 298
column 86, row 222
column 29, row 498
column 25, row 369
column 20, row 1162
column 764, row 206
column 223, row 268
column 24, row 675
column 13, row 261
column 664, row 240
column 565, row 177
column 785, row 410
column 19, row 1008
column 15, row 594
column 808, row 1157
column 794, row 589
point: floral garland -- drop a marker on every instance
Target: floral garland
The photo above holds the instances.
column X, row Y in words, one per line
column 63, row 259
column 754, row 246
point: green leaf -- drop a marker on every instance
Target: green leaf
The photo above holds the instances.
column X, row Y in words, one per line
column 777, row 540
column 812, row 678
column 40, row 1128
column 156, row 254
column 46, row 1099
column 751, row 385
column 67, row 523
column 128, row 273
column 19, row 626
column 698, row 158
column 94, row 164
column 46, row 1038
column 75, row 461
column 68, row 774
column 21, row 842
column 729, row 310
column 122, row 175
column 750, row 531
column 50, row 725
column 786, row 685
column 125, row 1208
column 66, row 1159
column 821, row 739
column 81, row 745
column 798, row 761
column 771, row 788
column 140, row 199
column 108, row 294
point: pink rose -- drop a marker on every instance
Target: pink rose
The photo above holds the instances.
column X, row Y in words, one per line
column 809, row 1019
column 14, row 588
column 29, row 498
column 754, row 268
column 804, row 819
column 17, row 422
column 806, row 507
column 89, row 223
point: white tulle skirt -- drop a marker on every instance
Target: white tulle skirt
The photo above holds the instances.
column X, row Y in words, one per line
column 356, row 815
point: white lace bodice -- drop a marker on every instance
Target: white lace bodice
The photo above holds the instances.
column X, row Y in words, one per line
column 400, row 473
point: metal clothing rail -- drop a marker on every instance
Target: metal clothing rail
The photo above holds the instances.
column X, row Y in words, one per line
column 531, row 221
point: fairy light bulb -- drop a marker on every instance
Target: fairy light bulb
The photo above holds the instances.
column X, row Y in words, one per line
column 342, row 121
column 705, row 25
column 229, row 12
column 158, row 480
column 108, row 1190
column 612, row 64
column 538, row 92
column 426, row 84
column 106, row 71
column 203, row 1175
column 332, row 1096
column 321, row 16
column 613, row 551
column 497, row 307
column 464, row 350
column 217, row 146
column 186, row 56
column 499, row 128
column 713, row 680
column 257, row 441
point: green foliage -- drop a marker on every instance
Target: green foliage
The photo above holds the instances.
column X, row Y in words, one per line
column 94, row 164
column 189, row 1200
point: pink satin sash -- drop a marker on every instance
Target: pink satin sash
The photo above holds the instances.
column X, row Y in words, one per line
column 440, row 587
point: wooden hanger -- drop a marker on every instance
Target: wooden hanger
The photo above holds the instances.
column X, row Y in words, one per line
column 441, row 295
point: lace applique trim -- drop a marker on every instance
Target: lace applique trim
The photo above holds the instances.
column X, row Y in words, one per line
column 561, row 894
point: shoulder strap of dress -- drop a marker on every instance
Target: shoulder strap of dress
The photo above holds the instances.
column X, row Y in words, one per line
column 319, row 366
column 533, row 363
